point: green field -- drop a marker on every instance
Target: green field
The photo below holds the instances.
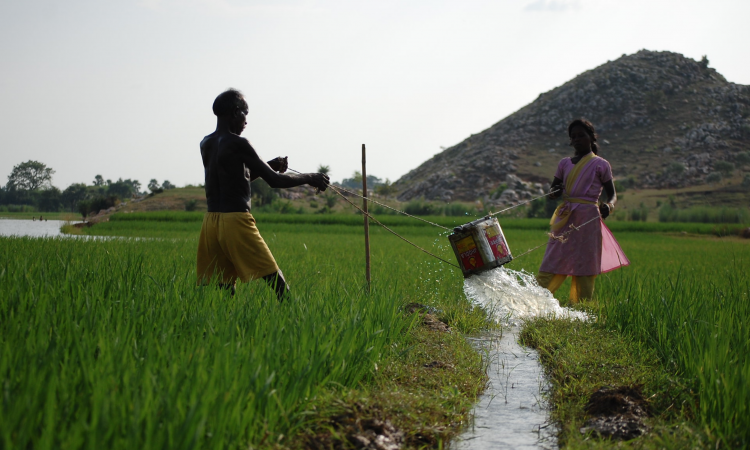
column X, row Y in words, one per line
column 186, row 224
column 110, row 344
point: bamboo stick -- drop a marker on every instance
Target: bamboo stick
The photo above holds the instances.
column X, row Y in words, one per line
column 367, row 221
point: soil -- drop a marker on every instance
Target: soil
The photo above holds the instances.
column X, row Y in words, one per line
column 616, row 413
column 360, row 427
column 429, row 317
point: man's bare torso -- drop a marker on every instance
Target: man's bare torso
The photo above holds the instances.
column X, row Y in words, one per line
column 226, row 176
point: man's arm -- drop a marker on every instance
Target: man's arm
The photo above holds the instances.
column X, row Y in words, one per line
column 278, row 164
column 259, row 168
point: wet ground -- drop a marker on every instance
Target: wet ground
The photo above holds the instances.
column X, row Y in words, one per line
column 511, row 414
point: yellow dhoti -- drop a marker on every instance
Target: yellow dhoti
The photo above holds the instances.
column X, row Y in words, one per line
column 231, row 247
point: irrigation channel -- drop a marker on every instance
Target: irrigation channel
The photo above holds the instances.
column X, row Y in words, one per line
column 511, row 414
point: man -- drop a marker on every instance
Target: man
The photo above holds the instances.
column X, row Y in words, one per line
column 230, row 245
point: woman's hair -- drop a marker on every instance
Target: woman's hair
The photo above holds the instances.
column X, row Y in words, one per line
column 589, row 127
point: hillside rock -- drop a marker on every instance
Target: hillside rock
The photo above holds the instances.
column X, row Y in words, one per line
column 663, row 121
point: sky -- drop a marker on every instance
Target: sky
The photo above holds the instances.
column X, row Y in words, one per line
column 124, row 88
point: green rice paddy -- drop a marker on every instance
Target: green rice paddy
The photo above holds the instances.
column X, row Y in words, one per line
column 110, row 343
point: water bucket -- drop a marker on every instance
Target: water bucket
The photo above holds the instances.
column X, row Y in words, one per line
column 480, row 245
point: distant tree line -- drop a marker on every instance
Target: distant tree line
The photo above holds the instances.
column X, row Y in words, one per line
column 29, row 188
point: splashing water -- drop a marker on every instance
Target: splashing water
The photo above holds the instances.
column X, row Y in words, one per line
column 510, row 296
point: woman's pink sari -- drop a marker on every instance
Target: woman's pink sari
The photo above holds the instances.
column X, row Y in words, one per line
column 592, row 249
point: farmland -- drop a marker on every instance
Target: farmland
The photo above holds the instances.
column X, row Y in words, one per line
column 109, row 343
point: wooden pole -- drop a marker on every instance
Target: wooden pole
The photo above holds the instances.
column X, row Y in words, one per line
column 367, row 220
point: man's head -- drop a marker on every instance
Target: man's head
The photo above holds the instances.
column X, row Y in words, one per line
column 230, row 106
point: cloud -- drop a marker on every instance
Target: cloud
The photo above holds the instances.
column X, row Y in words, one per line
column 232, row 8
column 552, row 5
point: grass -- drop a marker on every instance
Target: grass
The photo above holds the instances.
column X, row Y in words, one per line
column 110, row 344
column 582, row 357
column 135, row 224
column 704, row 214
column 697, row 324
column 675, row 319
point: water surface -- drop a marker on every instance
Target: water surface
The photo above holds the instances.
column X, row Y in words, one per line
column 30, row 228
column 511, row 414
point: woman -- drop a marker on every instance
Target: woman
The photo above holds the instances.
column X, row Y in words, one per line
column 586, row 252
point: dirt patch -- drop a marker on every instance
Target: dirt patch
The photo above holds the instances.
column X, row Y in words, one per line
column 357, row 427
column 616, row 413
column 429, row 317
column 437, row 365
column 83, row 225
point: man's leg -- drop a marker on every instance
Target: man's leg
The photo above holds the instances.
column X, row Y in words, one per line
column 278, row 284
column 212, row 260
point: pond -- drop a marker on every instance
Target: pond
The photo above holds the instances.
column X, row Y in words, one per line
column 30, row 228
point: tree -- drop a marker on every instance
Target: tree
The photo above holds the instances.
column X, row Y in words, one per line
column 72, row 195
column 120, row 188
column 135, row 184
column 355, row 182
column 167, row 185
column 704, row 62
column 153, row 185
column 726, row 168
column 98, row 180
column 675, row 168
column 50, row 200
column 713, row 177
column 30, row 176
column 386, row 189
column 324, row 169
column 262, row 193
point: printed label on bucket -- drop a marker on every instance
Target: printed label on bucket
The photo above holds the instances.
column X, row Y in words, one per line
column 496, row 241
column 468, row 253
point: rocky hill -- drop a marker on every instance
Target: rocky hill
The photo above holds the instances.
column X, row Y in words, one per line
column 664, row 121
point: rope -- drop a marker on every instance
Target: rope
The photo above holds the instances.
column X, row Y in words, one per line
column 369, row 199
column 389, row 230
column 523, row 203
column 561, row 237
column 337, row 190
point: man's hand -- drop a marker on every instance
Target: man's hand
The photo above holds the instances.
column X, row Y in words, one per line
column 279, row 164
column 319, row 181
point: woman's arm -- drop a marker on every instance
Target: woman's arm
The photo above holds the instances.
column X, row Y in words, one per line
column 609, row 189
column 555, row 188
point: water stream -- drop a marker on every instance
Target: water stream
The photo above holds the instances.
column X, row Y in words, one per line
column 511, row 414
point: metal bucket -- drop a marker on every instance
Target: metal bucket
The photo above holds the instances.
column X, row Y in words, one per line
column 480, row 245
